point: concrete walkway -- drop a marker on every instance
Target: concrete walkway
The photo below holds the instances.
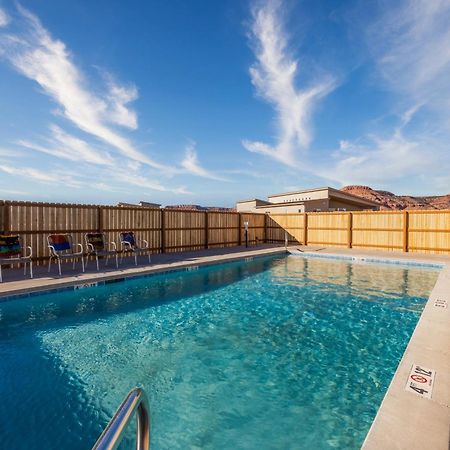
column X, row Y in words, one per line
column 15, row 283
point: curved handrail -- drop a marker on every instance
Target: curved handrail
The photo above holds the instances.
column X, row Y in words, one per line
column 112, row 435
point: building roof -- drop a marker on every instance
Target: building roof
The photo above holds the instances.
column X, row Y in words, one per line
column 253, row 200
column 337, row 193
column 299, row 192
column 332, row 192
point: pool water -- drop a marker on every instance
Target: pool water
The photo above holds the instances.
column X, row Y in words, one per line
column 276, row 353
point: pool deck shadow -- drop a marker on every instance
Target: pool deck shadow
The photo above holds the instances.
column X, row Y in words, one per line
column 16, row 283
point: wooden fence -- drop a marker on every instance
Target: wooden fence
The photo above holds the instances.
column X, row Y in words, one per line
column 170, row 230
column 166, row 230
column 408, row 231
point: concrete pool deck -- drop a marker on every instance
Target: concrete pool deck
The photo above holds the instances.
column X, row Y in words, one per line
column 16, row 283
column 405, row 420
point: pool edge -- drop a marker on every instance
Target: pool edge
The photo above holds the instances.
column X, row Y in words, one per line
column 55, row 285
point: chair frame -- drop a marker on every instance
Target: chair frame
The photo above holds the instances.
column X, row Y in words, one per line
column 137, row 249
column 18, row 259
column 91, row 250
column 64, row 254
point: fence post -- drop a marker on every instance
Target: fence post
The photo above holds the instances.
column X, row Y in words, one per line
column 350, row 230
column 206, row 230
column 265, row 228
column 163, row 231
column 99, row 219
column 305, row 228
column 6, row 217
column 239, row 229
column 405, row 230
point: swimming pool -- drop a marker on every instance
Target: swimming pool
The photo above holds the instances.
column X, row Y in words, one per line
column 279, row 352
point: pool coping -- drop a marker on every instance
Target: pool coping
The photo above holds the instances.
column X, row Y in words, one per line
column 406, row 419
column 47, row 285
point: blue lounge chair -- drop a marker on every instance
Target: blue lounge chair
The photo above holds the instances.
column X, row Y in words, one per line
column 61, row 248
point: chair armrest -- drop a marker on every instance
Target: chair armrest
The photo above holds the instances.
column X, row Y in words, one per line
column 91, row 248
column 113, row 245
column 125, row 244
column 142, row 243
column 81, row 248
column 52, row 250
column 31, row 251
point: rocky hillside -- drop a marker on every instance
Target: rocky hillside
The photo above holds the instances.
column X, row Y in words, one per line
column 388, row 200
column 200, row 208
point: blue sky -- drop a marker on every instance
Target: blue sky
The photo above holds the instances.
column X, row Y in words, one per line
column 213, row 101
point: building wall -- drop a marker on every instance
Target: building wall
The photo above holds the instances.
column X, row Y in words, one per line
column 282, row 209
column 299, row 197
column 341, row 204
column 249, row 206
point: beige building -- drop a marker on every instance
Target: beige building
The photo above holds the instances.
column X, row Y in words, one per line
column 319, row 199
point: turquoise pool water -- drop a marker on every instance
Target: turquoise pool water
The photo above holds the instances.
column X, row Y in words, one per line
column 276, row 353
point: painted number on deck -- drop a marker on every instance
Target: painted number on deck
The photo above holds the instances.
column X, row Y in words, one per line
column 440, row 303
column 421, row 381
column 85, row 285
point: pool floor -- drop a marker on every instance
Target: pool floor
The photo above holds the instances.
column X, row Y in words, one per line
column 279, row 352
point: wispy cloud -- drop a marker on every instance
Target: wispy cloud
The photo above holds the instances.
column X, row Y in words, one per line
column 40, row 57
column 40, row 175
column 63, row 145
column 4, row 19
column 192, row 165
column 410, row 42
column 380, row 160
column 9, row 153
column 376, row 160
column 274, row 76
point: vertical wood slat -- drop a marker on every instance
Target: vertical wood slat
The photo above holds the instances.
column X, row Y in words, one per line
column 206, row 231
column 405, row 230
column 305, row 229
column 349, row 230
column 163, row 231
column 239, row 229
column 6, row 217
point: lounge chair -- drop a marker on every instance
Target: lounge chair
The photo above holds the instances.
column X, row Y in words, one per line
column 61, row 248
column 11, row 251
column 98, row 246
column 129, row 243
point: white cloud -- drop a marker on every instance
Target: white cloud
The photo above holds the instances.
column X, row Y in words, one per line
column 118, row 97
column 66, row 146
column 376, row 161
column 38, row 56
column 384, row 160
column 410, row 42
column 60, row 177
column 4, row 19
column 274, row 77
column 9, row 153
column 192, row 165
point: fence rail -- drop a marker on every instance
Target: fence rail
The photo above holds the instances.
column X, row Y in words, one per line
column 408, row 231
column 171, row 230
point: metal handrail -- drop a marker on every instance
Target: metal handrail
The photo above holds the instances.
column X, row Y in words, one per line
column 112, row 435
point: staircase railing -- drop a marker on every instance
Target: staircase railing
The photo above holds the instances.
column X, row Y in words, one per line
column 135, row 401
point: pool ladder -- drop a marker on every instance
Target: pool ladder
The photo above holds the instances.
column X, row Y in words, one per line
column 135, row 401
